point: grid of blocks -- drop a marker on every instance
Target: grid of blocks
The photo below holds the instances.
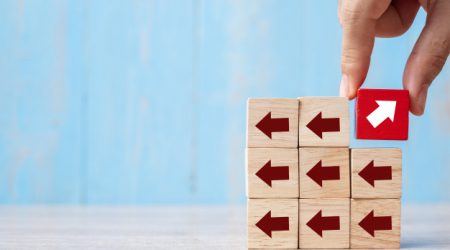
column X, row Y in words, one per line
column 307, row 189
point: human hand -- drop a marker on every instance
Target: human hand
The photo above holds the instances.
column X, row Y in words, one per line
column 363, row 20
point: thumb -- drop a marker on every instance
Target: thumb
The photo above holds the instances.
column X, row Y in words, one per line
column 428, row 56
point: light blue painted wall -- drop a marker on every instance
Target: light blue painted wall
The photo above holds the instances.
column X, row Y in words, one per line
column 111, row 102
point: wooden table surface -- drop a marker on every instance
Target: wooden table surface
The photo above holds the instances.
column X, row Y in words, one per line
column 202, row 227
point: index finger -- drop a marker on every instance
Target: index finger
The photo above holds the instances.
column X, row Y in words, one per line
column 358, row 19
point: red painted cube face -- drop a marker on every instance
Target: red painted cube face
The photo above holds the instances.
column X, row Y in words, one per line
column 382, row 114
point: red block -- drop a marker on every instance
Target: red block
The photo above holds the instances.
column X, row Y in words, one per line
column 382, row 114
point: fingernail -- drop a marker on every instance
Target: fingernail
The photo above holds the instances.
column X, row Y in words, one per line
column 344, row 88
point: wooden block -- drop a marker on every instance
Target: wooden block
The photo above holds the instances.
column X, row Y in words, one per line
column 272, row 172
column 382, row 114
column 324, row 223
column 324, row 122
column 272, row 123
column 376, row 173
column 324, row 173
column 272, row 223
column 375, row 223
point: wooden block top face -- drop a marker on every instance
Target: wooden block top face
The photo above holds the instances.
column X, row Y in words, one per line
column 272, row 172
column 324, row 122
column 272, row 223
column 324, row 172
column 272, row 123
column 324, row 223
column 375, row 223
column 376, row 173
column 382, row 114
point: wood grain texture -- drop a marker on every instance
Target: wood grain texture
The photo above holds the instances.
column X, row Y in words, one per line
column 123, row 227
column 257, row 208
column 309, row 157
column 257, row 109
column 257, row 158
column 360, row 238
column 329, row 207
column 360, row 158
column 330, row 107
column 174, row 227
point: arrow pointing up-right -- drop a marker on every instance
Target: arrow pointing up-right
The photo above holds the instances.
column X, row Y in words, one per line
column 385, row 110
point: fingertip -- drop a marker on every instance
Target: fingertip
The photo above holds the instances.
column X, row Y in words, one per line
column 417, row 98
column 347, row 87
column 416, row 112
column 352, row 92
column 417, row 102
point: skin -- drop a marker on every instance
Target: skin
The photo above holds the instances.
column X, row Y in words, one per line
column 363, row 20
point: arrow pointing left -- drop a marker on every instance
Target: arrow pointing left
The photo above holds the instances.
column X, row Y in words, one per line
column 370, row 223
column 320, row 223
column 268, row 125
column 269, row 173
column 319, row 125
column 268, row 224
column 321, row 173
column 370, row 173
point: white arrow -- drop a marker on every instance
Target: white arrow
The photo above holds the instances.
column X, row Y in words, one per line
column 386, row 109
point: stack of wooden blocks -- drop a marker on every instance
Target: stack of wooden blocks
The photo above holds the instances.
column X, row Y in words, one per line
column 307, row 189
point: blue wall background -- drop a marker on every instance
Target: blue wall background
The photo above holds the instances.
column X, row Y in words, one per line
column 108, row 102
